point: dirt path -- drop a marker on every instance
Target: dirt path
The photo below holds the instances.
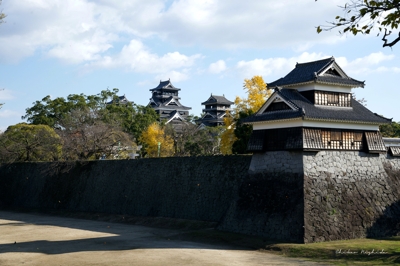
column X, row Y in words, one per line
column 31, row 239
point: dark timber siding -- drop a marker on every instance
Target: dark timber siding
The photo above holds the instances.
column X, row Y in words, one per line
column 315, row 139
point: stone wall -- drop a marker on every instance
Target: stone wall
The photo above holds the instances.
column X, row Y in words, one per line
column 270, row 201
column 216, row 189
column 269, row 205
column 286, row 196
column 277, row 162
column 350, row 195
column 199, row 188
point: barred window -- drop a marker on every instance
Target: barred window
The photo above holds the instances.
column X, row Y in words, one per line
column 336, row 135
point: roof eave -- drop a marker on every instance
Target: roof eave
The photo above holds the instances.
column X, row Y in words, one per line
column 272, row 120
column 346, row 121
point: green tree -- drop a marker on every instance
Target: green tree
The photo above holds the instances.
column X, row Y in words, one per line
column 91, row 125
column 363, row 16
column 391, row 130
column 130, row 117
column 242, row 133
column 25, row 143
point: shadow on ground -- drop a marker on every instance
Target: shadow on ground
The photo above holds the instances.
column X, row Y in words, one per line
column 104, row 234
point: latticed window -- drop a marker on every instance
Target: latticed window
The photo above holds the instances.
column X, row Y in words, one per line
column 336, row 135
column 333, row 98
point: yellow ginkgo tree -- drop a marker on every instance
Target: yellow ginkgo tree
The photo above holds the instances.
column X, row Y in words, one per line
column 156, row 142
column 257, row 94
column 228, row 136
column 236, row 135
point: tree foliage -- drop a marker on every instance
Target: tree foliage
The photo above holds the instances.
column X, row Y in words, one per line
column 92, row 126
column 155, row 139
column 228, row 136
column 257, row 93
column 86, row 136
column 391, row 130
column 195, row 141
column 242, row 133
column 27, row 143
column 132, row 118
column 364, row 16
column 237, row 134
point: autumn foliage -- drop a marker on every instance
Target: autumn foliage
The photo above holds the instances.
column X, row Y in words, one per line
column 235, row 137
column 257, row 94
column 152, row 136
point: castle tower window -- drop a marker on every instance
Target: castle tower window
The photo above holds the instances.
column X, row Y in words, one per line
column 333, row 98
column 336, row 135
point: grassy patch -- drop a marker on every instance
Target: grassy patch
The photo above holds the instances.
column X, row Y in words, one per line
column 346, row 252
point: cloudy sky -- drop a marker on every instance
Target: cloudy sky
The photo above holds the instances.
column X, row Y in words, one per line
column 58, row 47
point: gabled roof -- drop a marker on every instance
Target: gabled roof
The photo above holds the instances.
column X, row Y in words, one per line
column 325, row 71
column 175, row 115
column 120, row 100
column 165, row 85
column 217, row 99
column 302, row 108
column 166, row 104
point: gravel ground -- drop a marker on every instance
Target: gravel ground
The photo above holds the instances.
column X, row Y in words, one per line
column 38, row 239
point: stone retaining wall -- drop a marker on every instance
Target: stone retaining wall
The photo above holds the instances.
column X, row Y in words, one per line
column 198, row 188
column 350, row 195
column 286, row 196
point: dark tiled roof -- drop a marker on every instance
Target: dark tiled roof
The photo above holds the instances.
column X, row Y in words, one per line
column 173, row 107
column 309, row 72
column 165, row 85
column 161, row 105
column 121, row 100
column 217, row 99
column 304, row 108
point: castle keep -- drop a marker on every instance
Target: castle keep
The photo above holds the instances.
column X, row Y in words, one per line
column 165, row 101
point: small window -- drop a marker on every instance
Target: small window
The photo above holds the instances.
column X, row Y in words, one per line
column 358, row 136
column 336, row 135
column 333, row 98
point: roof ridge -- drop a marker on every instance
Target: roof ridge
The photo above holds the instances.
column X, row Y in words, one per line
column 312, row 62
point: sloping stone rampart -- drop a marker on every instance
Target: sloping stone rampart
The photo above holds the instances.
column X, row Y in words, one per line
column 286, row 196
column 350, row 195
column 198, row 188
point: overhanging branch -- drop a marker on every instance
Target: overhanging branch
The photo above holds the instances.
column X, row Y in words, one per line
column 390, row 44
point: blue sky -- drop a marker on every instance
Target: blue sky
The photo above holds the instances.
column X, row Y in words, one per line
column 58, row 47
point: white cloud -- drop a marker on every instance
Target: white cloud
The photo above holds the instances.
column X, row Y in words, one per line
column 275, row 67
column 9, row 114
column 138, row 58
column 366, row 64
column 6, row 94
column 238, row 24
column 217, row 67
column 84, row 31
